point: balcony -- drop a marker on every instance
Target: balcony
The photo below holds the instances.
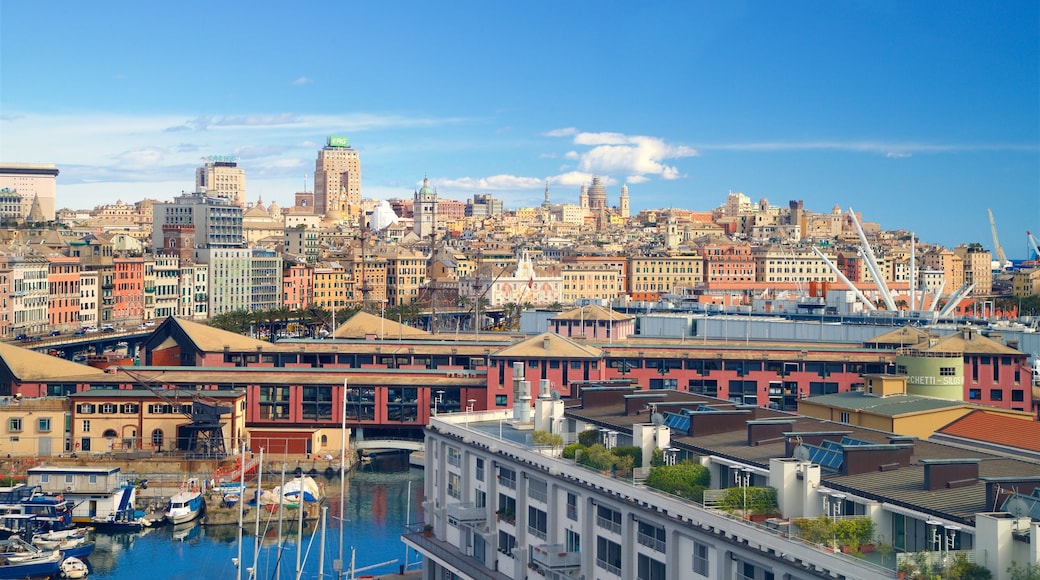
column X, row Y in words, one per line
column 651, row 542
column 555, row 557
column 466, row 512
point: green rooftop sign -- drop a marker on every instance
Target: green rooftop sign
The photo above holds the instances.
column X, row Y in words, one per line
column 339, row 142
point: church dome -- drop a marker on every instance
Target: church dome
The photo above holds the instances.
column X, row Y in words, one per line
column 425, row 189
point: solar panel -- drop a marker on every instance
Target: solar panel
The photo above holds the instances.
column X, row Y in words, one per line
column 828, row 457
column 677, row 422
column 846, row 440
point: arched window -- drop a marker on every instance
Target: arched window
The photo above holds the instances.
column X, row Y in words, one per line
column 110, row 434
column 324, row 440
column 157, row 439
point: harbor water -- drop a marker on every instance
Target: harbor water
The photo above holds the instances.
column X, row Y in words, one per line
column 375, row 513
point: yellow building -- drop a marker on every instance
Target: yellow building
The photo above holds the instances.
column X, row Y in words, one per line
column 330, row 288
column 33, row 427
column 651, row 276
column 884, row 405
column 600, row 281
column 1026, row 283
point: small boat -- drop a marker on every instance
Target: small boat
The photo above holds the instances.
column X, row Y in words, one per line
column 76, row 548
column 50, row 540
column 185, row 506
column 20, row 559
column 73, row 567
column 44, row 565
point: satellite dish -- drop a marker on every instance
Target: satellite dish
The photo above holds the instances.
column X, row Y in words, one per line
column 801, row 453
column 555, row 395
column 657, row 419
column 1017, row 506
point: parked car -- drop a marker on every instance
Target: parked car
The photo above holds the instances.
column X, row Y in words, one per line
column 22, row 336
column 80, row 332
column 149, row 323
column 107, row 329
column 55, row 333
column 90, row 329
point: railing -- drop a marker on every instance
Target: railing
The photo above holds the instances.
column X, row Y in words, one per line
column 555, row 556
column 506, row 482
column 651, row 542
column 572, row 512
column 536, row 532
column 608, row 567
column 608, row 524
column 538, row 494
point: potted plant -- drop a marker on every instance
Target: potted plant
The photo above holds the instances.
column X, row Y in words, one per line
column 906, row 569
column 427, row 530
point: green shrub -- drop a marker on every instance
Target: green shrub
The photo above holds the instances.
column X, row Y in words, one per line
column 589, row 437
column 570, row 450
column 597, row 457
column 687, row 480
column 546, row 439
column 760, row 500
column 636, row 453
column 852, row 532
column 657, row 457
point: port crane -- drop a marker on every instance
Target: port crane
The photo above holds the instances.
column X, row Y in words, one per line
column 1002, row 261
column 1033, row 244
column 205, row 433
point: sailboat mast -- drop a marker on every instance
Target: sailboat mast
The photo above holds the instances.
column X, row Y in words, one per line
column 241, row 509
column 256, row 532
column 278, row 569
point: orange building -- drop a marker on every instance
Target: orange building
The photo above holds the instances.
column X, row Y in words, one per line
column 63, row 288
column 128, row 291
column 297, row 286
column 725, row 263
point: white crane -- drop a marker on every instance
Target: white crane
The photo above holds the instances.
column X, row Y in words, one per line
column 1033, row 244
column 1002, row 262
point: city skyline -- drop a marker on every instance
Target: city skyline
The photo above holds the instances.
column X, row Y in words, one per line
column 918, row 118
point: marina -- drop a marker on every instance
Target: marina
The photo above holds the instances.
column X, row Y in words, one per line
column 375, row 506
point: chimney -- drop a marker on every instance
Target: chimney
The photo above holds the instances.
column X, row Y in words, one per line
column 950, row 473
column 545, row 343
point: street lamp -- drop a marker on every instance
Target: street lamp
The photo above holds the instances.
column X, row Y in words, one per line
column 743, row 478
column 437, row 401
column 839, row 504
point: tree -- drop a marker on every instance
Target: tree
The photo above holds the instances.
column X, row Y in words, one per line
column 546, row 439
column 1025, row 572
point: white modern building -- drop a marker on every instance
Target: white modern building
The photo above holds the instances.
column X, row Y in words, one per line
column 498, row 506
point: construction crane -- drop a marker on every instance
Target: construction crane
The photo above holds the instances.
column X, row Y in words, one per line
column 1002, row 261
column 1033, row 244
column 206, row 431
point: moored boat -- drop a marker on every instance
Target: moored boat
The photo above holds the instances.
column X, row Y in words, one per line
column 20, row 559
column 73, row 567
column 185, row 506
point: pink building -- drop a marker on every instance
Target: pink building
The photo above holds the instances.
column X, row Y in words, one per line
column 128, row 290
column 594, row 323
column 63, row 290
column 298, row 287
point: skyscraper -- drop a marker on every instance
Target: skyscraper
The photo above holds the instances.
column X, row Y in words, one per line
column 337, row 180
column 222, row 178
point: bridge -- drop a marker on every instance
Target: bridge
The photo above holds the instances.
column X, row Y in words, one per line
column 68, row 345
column 390, row 443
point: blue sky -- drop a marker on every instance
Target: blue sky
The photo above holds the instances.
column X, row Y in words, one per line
column 920, row 115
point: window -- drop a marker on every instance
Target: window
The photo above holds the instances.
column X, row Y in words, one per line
column 454, row 457
column 480, row 469
column 317, row 403
column 480, row 499
column 454, row 485
column 537, row 490
column 501, row 400
column 537, row 522
column 14, row 425
column 1017, row 395
column 507, row 477
column 402, row 404
column 843, row 417
column 700, row 559
column 996, row 395
column 86, row 426
column 572, row 506
column 649, row 569
column 608, row 555
column 108, row 409
column 609, row 519
column 43, row 424
column 947, row 371
column 651, row 536
column 974, row 394
column 85, row 409
column 506, row 543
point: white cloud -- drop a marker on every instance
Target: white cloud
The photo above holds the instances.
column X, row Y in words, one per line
column 898, row 154
column 303, row 81
column 567, row 132
column 492, row 183
column 612, row 153
column 635, row 179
